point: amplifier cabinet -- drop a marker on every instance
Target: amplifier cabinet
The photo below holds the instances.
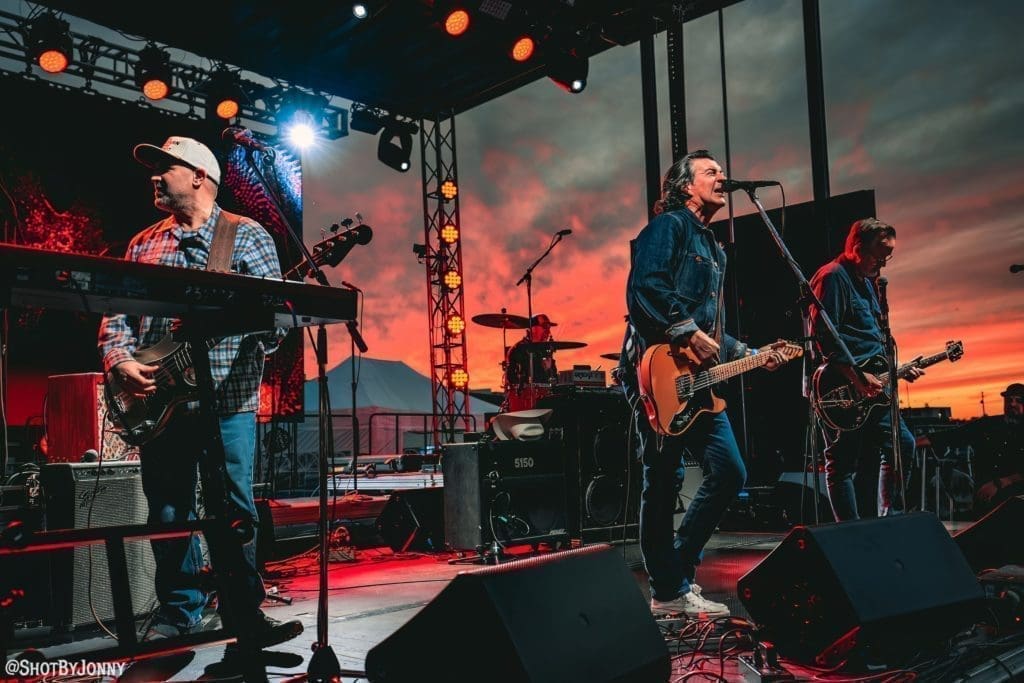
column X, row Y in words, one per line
column 89, row 495
column 76, row 420
column 507, row 492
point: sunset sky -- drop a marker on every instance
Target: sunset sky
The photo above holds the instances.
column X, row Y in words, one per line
column 924, row 106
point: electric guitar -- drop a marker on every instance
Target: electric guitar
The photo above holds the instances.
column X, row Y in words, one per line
column 140, row 419
column 836, row 400
column 676, row 389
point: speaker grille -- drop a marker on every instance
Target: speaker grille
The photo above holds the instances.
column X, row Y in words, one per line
column 90, row 495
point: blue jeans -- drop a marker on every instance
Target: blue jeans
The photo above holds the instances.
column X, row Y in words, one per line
column 671, row 555
column 859, row 470
column 169, row 475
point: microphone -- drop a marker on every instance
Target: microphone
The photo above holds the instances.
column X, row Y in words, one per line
column 350, row 286
column 730, row 185
column 243, row 138
column 1016, row 268
column 563, row 233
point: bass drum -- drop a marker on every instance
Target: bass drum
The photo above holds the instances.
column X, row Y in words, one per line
column 525, row 397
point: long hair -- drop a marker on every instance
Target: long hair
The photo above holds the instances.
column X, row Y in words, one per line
column 678, row 176
column 865, row 231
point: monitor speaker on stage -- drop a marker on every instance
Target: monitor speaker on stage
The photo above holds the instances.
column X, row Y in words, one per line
column 574, row 616
column 504, row 492
column 413, row 520
column 882, row 586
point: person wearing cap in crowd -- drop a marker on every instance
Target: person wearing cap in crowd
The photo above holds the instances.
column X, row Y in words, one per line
column 859, row 472
column 998, row 444
column 185, row 177
column 521, row 354
column 674, row 296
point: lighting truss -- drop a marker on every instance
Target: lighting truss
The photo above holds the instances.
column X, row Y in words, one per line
column 108, row 69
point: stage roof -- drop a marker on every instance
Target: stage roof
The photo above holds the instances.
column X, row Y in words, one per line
column 399, row 57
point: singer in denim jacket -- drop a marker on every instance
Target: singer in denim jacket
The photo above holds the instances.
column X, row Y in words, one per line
column 674, row 295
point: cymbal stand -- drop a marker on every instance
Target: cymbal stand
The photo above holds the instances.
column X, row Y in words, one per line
column 528, row 279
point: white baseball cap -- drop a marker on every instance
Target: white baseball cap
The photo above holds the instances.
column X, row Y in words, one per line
column 192, row 153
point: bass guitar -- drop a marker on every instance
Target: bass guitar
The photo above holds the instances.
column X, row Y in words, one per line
column 836, row 401
column 675, row 388
column 141, row 419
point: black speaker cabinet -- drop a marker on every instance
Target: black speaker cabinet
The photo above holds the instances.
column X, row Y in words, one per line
column 603, row 474
column 988, row 544
column 88, row 495
column 503, row 491
column 571, row 616
column 883, row 585
column 413, row 520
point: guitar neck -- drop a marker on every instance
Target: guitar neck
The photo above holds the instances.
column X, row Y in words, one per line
column 919, row 363
column 721, row 373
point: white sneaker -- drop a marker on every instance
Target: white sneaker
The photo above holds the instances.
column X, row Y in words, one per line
column 692, row 604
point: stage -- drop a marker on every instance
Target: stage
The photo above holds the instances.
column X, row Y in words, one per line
column 378, row 590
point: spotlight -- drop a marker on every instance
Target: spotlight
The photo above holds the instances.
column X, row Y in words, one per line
column 452, row 279
column 49, row 43
column 420, row 250
column 459, row 378
column 569, row 71
column 523, row 48
column 456, row 22
column 153, row 72
column 394, row 147
column 299, row 115
column 224, row 95
column 449, row 234
column 456, row 324
column 449, row 189
column 366, row 119
column 359, row 10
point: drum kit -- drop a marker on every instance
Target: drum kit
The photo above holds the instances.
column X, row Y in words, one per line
column 522, row 395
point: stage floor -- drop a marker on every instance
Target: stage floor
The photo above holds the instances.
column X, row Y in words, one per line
column 377, row 592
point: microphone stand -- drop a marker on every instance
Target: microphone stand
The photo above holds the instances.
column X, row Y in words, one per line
column 894, row 384
column 806, row 300
column 323, row 665
column 528, row 279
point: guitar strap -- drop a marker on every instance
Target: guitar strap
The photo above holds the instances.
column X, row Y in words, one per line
column 223, row 243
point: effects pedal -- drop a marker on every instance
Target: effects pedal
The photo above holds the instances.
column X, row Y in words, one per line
column 763, row 665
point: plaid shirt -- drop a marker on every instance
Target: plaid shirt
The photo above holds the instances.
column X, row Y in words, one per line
column 236, row 362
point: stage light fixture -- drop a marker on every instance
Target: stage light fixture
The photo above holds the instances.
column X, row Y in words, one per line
column 452, row 279
column 569, row 71
column 360, row 10
column 366, row 119
column 449, row 189
column 48, row 42
column 394, row 147
column 224, row 95
column 459, row 378
column 153, row 72
column 449, row 234
column 523, row 48
column 456, row 22
column 456, row 324
column 299, row 115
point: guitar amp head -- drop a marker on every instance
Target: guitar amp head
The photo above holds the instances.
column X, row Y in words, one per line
column 583, row 376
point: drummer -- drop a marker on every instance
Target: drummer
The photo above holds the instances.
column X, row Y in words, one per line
column 544, row 370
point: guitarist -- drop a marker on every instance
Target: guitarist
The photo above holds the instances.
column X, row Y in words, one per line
column 858, row 464
column 186, row 176
column 674, row 295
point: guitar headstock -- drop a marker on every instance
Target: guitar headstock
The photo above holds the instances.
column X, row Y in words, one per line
column 954, row 350
column 787, row 349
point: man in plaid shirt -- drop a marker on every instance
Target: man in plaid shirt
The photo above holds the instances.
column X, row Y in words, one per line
column 185, row 179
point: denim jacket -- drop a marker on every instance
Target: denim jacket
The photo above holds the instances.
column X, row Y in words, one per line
column 675, row 285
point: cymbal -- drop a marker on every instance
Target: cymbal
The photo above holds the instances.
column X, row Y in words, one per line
column 550, row 346
column 611, row 356
column 506, row 321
